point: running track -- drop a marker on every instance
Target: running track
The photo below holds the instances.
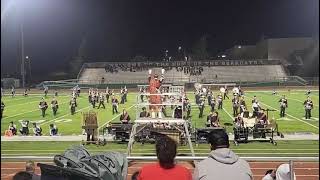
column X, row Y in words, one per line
column 303, row 170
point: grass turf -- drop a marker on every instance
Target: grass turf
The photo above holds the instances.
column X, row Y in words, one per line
column 284, row 148
column 19, row 108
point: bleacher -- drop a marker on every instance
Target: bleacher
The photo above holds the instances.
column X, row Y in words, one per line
column 210, row 74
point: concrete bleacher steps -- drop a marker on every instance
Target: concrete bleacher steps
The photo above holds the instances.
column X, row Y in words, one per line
column 253, row 73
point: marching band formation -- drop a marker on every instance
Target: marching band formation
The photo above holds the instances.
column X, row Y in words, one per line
column 98, row 98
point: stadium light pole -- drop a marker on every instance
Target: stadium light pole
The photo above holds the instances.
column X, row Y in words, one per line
column 12, row 4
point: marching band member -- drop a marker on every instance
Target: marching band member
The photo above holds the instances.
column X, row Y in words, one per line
column 56, row 93
column 37, row 130
column 308, row 92
column 101, row 101
column 2, row 108
column 263, row 118
column 255, row 107
column 225, row 94
column 54, row 106
column 25, row 93
column 283, row 105
column 219, row 101
column 53, row 130
column 243, row 106
column 209, row 96
column 13, row 91
column 45, row 90
column 144, row 113
column 213, row 119
column 73, row 105
column 115, row 104
column 108, row 93
column 24, row 127
column 235, row 105
column 43, row 106
column 13, row 128
column 308, row 106
column 213, row 103
column 238, row 121
column 124, row 117
column 201, row 107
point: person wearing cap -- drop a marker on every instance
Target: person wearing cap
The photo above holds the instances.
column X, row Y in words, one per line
column 43, row 106
column 222, row 162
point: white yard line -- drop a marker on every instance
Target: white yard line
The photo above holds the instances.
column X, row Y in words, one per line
column 63, row 115
column 22, row 103
column 228, row 113
column 290, row 115
column 114, row 118
column 28, row 112
column 295, row 100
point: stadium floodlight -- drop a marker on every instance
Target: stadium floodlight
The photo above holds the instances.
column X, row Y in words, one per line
column 223, row 56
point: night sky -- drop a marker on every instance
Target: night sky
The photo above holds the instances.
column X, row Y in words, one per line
column 54, row 29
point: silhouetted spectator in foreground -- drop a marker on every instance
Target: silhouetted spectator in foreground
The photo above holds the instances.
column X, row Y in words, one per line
column 22, row 175
column 222, row 162
column 30, row 168
column 166, row 149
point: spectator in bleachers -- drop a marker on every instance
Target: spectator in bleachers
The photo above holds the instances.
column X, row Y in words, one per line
column 282, row 173
column 30, row 168
column 166, row 150
column 270, row 175
column 222, row 162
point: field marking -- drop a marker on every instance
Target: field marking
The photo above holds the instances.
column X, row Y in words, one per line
column 290, row 115
column 28, row 112
column 228, row 113
column 115, row 117
column 297, row 100
column 64, row 115
column 22, row 103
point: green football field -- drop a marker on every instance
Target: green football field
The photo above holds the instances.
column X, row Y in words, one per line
column 19, row 108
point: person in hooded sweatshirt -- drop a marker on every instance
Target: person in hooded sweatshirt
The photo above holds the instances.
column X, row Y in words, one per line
column 283, row 172
column 222, row 162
